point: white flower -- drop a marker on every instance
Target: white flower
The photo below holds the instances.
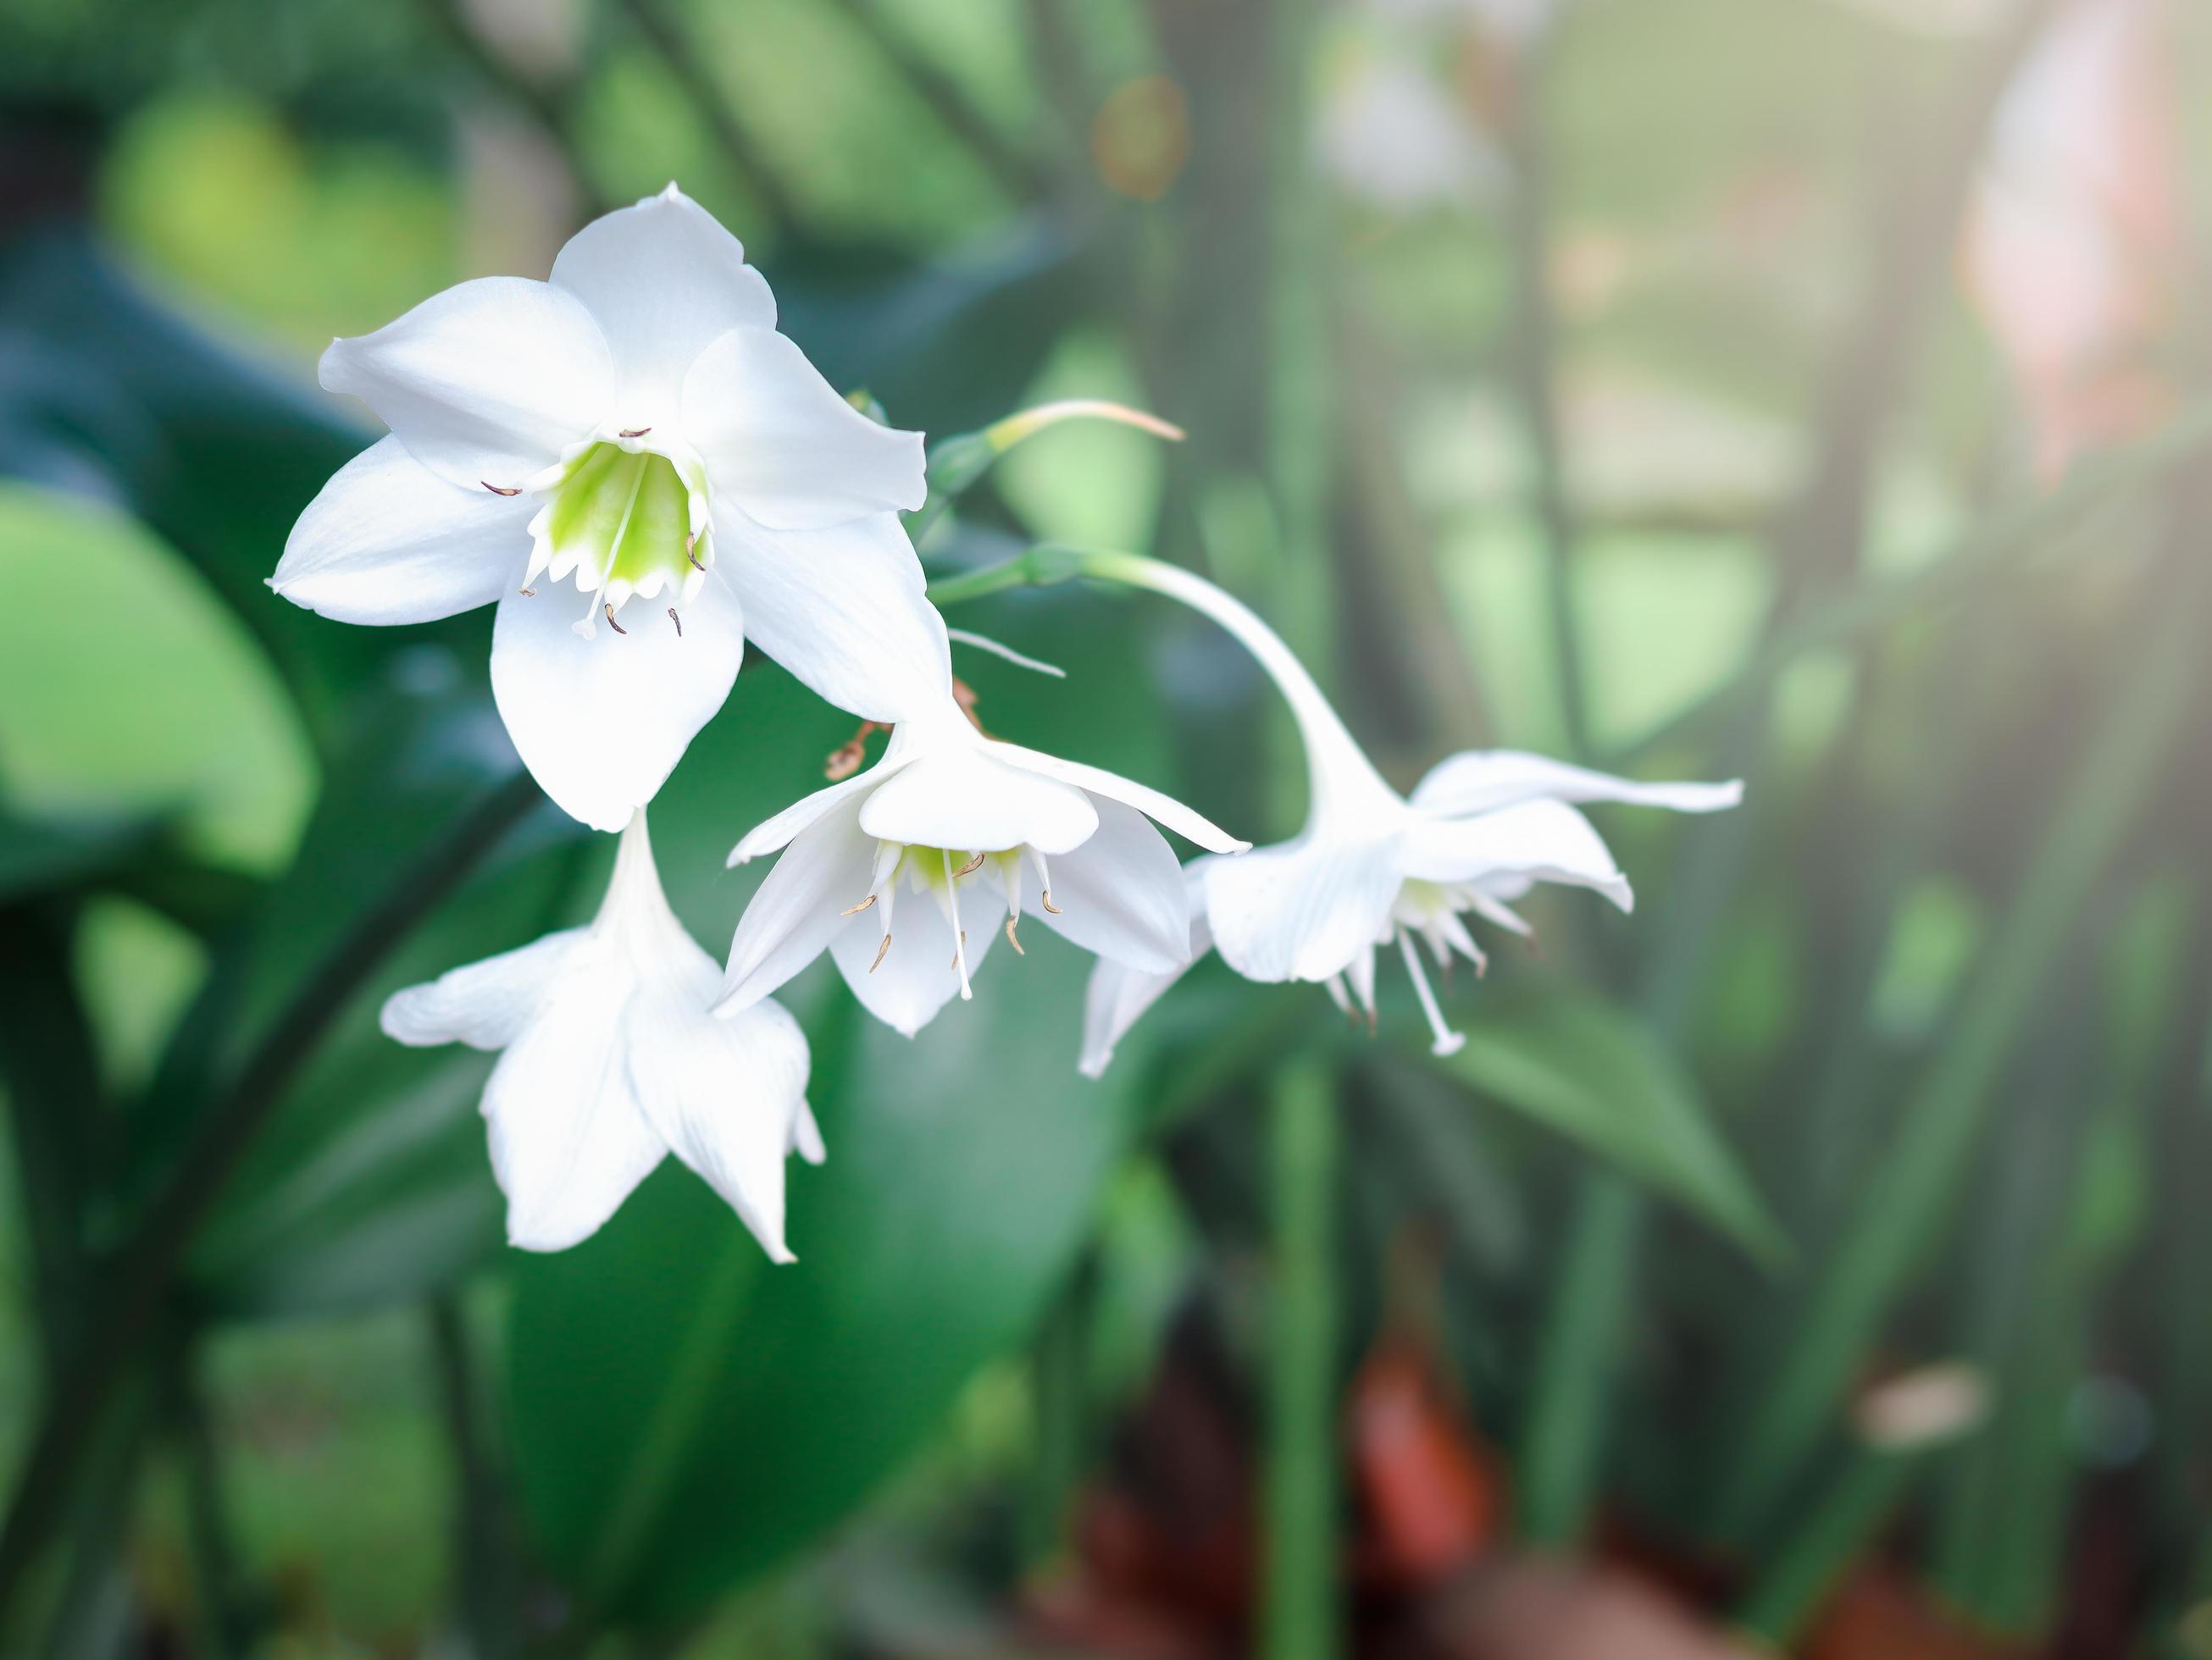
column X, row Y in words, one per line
column 1372, row 868
column 611, row 1058
column 970, row 828
column 638, row 425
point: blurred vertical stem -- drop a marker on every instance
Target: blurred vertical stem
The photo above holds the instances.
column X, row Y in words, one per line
column 1058, row 1364
column 1300, row 464
column 1300, row 1613
column 686, row 65
column 1590, row 1304
column 486, row 1574
column 1909, row 1191
column 130, row 1288
column 1532, row 352
column 207, row 1526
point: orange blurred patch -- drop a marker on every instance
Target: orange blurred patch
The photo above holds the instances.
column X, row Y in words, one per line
column 1140, row 138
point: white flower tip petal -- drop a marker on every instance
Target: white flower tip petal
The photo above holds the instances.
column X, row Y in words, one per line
column 1620, row 892
column 1450, row 1043
column 1093, row 1067
column 1237, row 847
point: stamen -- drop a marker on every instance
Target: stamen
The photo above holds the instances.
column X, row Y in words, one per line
column 1014, row 939
column 528, row 593
column 855, row 909
column 971, row 867
column 959, row 934
column 693, row 557
column 633, row 432
column 1448, row 1042
column 1049, row 905
column 678, row 620
column 500, row 490
column 610, row 609
column 880, row 951
column 1341, row 998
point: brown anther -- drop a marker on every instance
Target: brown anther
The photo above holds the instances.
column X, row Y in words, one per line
column 971, row 867
column 964, row 695
column 528, row 593
column 1049, row 905
column 500, row 490
column 880, row 950
column 693, row 557
column 678, row 620
column 633, row 432
column 609, row 609
column 855, row 909
column 1014, row 939
column 1371, row 1023
column 845, row 760
column 958, row 949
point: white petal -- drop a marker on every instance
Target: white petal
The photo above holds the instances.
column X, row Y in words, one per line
column 484, row 384
column 1118, row 994
column 806, row 1135
column 960, row 796
column 722, row 1094
column 664, row 280
column 1546, row 839
column 800, row 908
column 485, row 1004
column 568, row 1142
column 388, row 540
column 1304, row 910
column 1164, row 809
column 772, row 834
column 795, row 455
column 917, row 977
column 843, row 610
column 601, row 721
column 1481, row 780
column 1120, row 894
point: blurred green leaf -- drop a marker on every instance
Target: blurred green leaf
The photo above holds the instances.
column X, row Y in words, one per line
column 1597, row 1075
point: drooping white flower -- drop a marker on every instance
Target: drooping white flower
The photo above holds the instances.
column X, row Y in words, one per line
column 635, row 425
column 905, row 872
column 609, row 1058
column 1374, row 868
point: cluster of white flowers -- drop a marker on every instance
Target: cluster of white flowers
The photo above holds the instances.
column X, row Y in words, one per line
column 637, row 424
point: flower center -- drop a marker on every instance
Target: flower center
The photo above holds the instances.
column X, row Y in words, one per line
column 626, row 523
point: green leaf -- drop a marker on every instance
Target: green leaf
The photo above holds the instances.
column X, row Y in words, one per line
column 1597, row 1076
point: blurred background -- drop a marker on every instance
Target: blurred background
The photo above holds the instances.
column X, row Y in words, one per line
column 1801, row 390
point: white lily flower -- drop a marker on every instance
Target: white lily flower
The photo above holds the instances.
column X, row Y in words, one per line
column 1371, row 868
column 637, row 424
column 611, row 1058
column 970, row 828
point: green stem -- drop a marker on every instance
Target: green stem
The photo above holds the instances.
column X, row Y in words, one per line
column 1299, row 1613
column 132, row 1293
column 1823, row 1543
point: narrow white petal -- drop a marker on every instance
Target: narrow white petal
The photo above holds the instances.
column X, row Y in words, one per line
column 664, row 280
column 917, row 976
column 1122, row 894
column 1118, row 994
column 1304, row 910
column 388, row 540
column 724, row 1094
column 601, row 721
column 777, row 436
column 484, row 384
column 843, row 609
column 1482, row 780
column 800, row 907
column 806, row 1136
column 772, row 834
column 1164, row 809
column 484, row 1004
column 960, row 795
column 569, row 1141
column 1548, row 841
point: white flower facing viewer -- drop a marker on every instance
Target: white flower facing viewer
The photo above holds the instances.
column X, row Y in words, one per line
column 633, row 430
column 609, row 1058
column 907, row 872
